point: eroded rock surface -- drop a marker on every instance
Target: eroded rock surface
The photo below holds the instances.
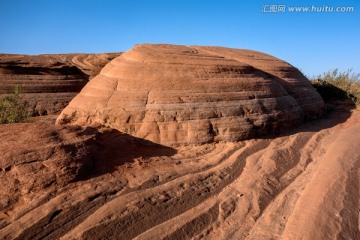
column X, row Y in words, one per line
column 36, row 156
column 49, row 81
column 172, row 94
column 301, row 185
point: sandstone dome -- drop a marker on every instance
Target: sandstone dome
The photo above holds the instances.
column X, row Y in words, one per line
column 171, row 94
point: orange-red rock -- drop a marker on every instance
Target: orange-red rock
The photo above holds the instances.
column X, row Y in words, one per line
column 49, row 81
column 301, row 185
column 172, row 94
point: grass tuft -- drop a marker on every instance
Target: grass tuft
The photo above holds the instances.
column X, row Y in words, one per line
column 13, row 109
column 334, row 86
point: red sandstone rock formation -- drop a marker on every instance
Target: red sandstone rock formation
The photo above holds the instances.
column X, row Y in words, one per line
column 302, row 185
column 172, row 94
column 49, row 81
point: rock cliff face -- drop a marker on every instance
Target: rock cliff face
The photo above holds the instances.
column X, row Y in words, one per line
column 49, row 81
column 172, row 94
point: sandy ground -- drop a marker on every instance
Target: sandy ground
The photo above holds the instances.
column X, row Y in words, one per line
column 301, row 185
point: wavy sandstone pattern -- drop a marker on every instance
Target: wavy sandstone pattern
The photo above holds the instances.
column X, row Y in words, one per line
column 172, row 94
column 303, row 185
column 49, row 81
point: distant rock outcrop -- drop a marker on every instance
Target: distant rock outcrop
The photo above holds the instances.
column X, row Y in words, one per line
column 49, row 81
column 172, row 94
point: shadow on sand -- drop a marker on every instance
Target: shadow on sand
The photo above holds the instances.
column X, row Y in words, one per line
column 112, row 148
column 339, row 105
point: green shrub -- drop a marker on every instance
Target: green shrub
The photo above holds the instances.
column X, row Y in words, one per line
column 335, row 85
column 13, row 109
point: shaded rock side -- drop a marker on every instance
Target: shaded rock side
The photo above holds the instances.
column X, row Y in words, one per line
column 172, row 94
column 49, row 81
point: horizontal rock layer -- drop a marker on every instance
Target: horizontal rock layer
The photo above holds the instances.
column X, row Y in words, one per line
column 182, row 95
column 49, row 81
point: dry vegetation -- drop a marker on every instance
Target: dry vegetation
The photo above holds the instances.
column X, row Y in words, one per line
column 335, row 85
column 91, row 182
column 13, row 109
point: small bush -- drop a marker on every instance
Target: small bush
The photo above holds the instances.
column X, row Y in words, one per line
column 13, row 109
column 335, row 85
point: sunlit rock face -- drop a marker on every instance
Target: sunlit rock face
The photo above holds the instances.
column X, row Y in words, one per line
column 172, row 94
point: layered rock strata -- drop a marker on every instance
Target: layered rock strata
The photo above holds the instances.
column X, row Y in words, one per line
column 50, row 81
column 173, row 94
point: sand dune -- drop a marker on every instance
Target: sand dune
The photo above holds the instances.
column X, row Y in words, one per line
column 301, row 185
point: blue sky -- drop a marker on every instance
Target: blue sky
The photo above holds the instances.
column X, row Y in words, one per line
column 313, row 42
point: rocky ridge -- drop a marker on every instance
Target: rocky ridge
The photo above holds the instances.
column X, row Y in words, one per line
column 49, row 81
